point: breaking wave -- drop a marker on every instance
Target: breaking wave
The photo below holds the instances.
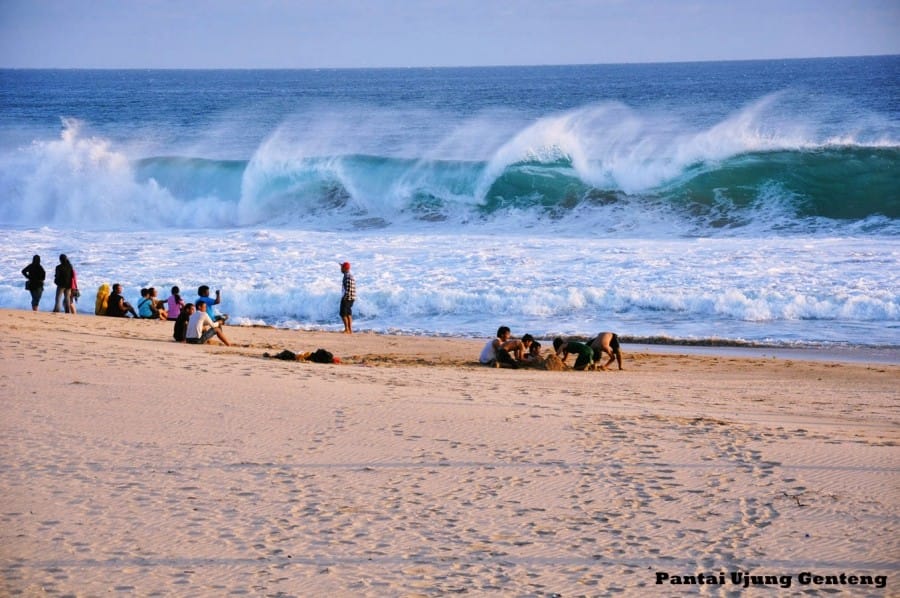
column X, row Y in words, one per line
column 606, row 167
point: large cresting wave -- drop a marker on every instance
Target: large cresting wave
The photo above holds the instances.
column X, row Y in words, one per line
column 605, row 167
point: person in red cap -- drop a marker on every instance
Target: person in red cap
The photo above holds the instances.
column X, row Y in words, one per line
column 347, row 298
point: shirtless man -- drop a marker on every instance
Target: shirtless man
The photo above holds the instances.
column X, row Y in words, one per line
column 607, row 342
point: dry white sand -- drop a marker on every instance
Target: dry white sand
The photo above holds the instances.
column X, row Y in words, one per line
column 133, row 465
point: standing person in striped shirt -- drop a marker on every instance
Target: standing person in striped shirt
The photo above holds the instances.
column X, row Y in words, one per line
column 347, row 298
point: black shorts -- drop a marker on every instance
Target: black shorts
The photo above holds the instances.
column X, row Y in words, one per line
column 346, row 307
column 614, row 342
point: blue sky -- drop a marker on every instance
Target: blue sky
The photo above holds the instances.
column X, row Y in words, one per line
column 403, row 33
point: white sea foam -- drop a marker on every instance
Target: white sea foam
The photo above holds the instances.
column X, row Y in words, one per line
column 812, row 290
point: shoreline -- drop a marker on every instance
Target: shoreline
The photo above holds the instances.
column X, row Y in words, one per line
column 132, row 463
column 859, row 354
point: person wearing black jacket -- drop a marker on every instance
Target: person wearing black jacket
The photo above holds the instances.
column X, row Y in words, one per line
column 63, row 280
column 116, row 306
column 36, row 275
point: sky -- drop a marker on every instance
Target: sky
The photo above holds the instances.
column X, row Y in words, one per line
column 423, row 33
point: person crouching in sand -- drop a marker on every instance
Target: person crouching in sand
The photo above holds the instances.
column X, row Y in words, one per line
column 607, row 342
column 585, row 359
column 201, row 328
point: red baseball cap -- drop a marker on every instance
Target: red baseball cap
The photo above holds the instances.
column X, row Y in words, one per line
column 345, row 266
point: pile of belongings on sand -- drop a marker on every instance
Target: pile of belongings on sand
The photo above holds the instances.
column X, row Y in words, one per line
column 317, row 356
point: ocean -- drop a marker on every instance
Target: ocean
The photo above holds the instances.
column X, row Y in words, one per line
column 752, row 203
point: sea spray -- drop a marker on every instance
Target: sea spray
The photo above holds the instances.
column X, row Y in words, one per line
column 89, row 183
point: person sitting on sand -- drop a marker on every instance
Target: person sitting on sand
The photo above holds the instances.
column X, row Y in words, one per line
column 174, row 304
column 203, row 292
column 533, row 356
column 116, row 306
column 102, row 300
column 200, row 328
column 607, row 342
column 157, row 305
column 502, row 351
column 144, row 308
column 181, row 323
column 585, row 360
column 526, row 341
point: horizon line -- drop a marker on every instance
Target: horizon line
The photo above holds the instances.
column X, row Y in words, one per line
column 483, row 66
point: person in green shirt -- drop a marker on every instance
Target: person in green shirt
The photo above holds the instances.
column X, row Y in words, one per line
column 585, row 359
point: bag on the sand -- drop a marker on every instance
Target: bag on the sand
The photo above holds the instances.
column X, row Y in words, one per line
column 285, row 355
column 321, row 356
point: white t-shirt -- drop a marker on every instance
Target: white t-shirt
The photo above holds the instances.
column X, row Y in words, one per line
column 195, row 324
column 488, row 354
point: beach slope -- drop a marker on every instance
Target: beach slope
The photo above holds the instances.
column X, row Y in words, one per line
column 131, row 463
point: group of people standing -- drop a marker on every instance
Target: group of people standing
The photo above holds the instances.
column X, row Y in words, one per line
column 64, row 278
column 505, row 351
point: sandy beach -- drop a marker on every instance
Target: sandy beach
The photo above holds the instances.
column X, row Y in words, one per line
column 133, row 465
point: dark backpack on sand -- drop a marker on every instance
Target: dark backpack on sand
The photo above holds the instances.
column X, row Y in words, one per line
column 321, row 356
